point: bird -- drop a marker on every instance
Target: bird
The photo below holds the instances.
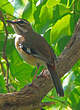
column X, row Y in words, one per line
column 35, row 50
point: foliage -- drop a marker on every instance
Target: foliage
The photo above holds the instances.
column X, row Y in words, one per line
column 55, row 19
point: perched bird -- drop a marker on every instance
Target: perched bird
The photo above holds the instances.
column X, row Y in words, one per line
column 35, row 50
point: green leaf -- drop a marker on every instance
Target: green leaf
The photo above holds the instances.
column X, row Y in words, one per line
column 47, row 35
column 61, row 43
column 78, row 5
column 62, row 27
column 38, row 26
column 1, row 42
column 29, row 10
column 64, row 2
column 52, row 3
column 48, row 15
column 27, row 13
column 44, row 21
column 2, row 84
column 71, row 2
column 3, row 2
column 76, row 69
column 7, row 7
column 18, row 7
column 1, row 26
column 18, row 4
column 75, row 98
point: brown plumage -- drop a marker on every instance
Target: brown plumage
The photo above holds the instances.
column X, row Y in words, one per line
column 35, row 50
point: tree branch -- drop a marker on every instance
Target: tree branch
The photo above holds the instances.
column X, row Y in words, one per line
column 4, row 48
column 29, row 98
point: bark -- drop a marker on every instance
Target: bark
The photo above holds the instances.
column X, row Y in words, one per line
column 29, row 98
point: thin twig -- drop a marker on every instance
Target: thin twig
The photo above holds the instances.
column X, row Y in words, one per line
column 74, row 12
column 2, row 68
column 44, row 104
column 58, row 100
column 4, row 48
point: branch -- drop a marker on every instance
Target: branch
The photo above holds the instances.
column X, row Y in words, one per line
column 2, row 68
column 4, row 47
column 29, row 98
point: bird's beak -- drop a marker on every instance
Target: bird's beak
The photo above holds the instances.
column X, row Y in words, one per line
column 10, row 22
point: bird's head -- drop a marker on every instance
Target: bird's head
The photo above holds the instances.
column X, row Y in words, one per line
column 20, row 26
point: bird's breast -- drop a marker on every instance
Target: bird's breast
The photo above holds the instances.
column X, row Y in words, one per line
column 26, row 57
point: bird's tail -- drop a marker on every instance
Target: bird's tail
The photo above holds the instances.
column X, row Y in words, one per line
column 56, row 80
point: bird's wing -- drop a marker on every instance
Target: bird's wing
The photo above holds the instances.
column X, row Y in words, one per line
column 38, row 47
